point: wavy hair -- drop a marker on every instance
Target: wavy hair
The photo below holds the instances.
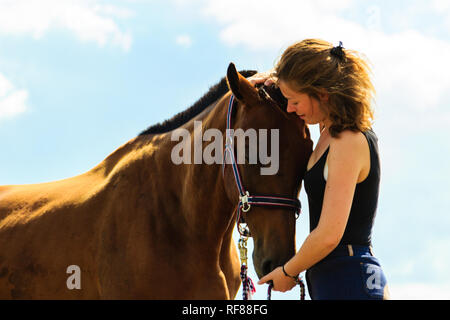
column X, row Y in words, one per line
column 311, row 65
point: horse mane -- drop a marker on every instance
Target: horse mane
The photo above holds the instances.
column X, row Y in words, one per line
column 214, row 93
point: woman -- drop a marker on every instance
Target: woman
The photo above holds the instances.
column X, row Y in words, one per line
column 330, row 86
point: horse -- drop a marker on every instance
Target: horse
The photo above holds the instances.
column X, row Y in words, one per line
column 139, row 226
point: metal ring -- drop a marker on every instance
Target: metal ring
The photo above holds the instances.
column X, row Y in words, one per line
column 246, row 209
column 244, row 201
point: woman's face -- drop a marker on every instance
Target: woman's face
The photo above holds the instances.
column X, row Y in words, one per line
column 305, row 106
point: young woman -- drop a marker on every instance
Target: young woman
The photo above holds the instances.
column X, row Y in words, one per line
column 331, row 86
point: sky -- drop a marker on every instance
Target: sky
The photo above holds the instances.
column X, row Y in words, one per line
column 78, row 78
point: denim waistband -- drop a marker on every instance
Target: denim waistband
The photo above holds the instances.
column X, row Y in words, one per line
column 350, row 250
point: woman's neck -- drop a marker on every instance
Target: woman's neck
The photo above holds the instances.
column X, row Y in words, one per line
column 324, row 125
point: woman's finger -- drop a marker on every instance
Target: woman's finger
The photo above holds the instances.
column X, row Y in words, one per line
column 264, row 279
column 262, row 77
column 257, row 80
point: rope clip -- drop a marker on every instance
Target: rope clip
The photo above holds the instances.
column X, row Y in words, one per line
column 242, row 245
column 244, row 200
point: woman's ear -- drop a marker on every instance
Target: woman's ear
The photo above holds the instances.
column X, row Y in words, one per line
column 241, row 88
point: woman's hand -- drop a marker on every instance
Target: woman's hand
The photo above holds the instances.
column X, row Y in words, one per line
column 280, row 281
column 267, row 78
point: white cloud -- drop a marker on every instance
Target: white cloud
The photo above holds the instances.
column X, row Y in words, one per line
column 87, row 19
column 409, row 66
column 419, row 291
column 269, row 24
column 441, row 6
column 184, row 40
column 437, row 256
column 110, row 10
column 12, row 101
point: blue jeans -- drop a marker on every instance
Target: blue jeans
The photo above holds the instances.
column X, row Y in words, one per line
column 348, row 272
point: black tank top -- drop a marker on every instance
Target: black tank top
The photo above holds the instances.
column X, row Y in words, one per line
column 359, row 226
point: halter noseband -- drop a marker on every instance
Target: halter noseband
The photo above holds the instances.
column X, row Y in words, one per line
column 245, row 199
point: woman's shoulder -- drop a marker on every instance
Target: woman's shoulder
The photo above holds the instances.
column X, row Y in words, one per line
column 348, row 137
column 348, row 141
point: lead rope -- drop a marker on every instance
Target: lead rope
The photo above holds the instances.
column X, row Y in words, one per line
column 248, row 288
column 299, row 281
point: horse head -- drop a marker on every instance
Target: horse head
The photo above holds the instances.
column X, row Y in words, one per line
column 287, row 136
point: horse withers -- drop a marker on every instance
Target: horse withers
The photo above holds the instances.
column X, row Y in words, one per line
column 139, row 226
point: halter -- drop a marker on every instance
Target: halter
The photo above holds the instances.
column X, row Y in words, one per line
column 245, row 203
column 245, row 199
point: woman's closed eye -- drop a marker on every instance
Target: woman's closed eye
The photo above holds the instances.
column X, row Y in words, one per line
column 294, row 103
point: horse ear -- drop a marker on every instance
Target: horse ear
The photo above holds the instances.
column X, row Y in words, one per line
column 241, row 88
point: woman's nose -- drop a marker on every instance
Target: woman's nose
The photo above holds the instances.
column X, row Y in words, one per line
column 290, row 108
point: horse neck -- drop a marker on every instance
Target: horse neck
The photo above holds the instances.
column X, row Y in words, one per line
column 211, row 209
column 191, row 193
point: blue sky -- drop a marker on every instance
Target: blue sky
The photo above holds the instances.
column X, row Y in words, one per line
column 80, row 78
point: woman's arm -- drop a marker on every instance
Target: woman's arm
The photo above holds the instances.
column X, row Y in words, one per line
column 345, row 162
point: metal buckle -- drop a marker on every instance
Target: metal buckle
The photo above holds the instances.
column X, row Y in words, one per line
column 243, row 229
column 244, row 199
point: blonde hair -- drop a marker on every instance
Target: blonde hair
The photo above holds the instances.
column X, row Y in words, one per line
column 312, row 65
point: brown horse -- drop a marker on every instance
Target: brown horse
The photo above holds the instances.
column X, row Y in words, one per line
column 139, row 226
